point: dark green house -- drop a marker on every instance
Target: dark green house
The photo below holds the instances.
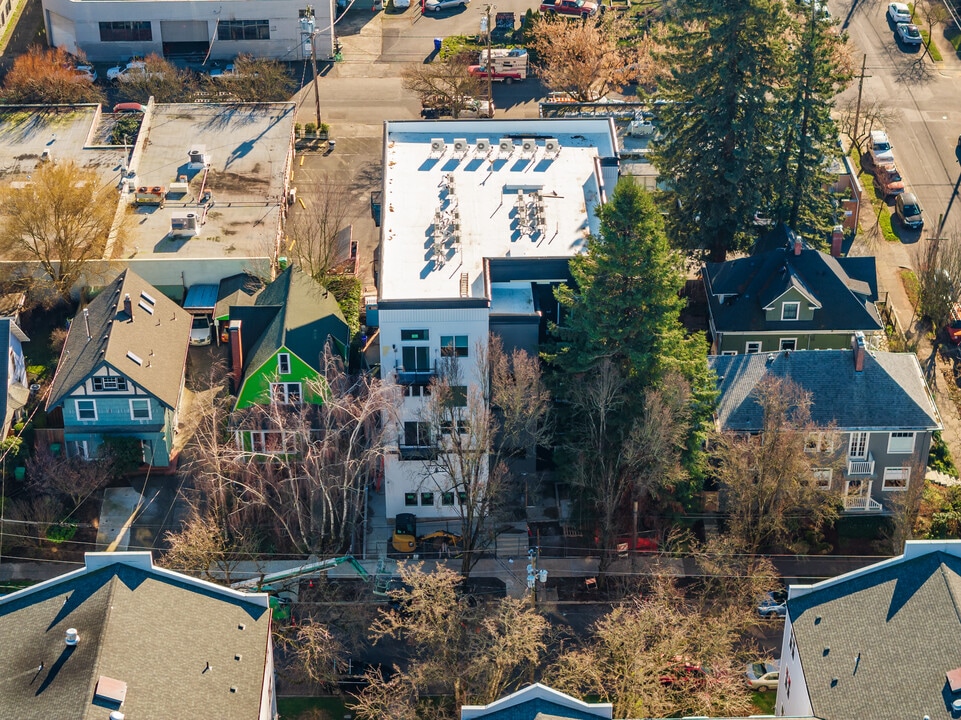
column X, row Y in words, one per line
column 790, row 298
column 276, row 344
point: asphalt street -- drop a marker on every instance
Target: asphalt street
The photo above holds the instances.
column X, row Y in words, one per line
column 924, row 105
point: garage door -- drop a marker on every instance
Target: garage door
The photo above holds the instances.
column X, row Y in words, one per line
column 177, row 31
column 63, row 31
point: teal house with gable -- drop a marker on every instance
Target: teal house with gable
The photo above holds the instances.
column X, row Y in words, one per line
column 121, row 371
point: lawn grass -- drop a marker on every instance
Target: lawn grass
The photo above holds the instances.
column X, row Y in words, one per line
column 764, row 702
column 953, row 35
column 291, row 708
column 910, row 282
column 932, row 48
column 877, row 203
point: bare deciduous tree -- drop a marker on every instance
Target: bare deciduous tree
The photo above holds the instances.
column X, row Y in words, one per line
column 938, row 264
column 60, row 219
column 934, row 15
column 160, row 79
column 70, row 477
column 254, row 80
column 314, row 651
column 446, row 81
column 205, row 548
column 313, row 232
column 856, row 122
column 586, row 59
column 771, row 491
column 469, row 652
column 903, row 506
column 478, row 419
column 47, row 77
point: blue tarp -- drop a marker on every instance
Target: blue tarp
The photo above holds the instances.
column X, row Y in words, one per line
column 201, row 298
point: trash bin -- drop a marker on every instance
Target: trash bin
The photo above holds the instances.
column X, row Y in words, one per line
column 437, row 43
column 331, row 144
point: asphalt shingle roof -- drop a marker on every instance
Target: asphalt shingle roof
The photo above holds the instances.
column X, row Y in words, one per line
column 845, row 289
column 237, row 290
column 158, row 336
column 903, row 620
column 889, row 394
column 154, row 632
column 305, row 314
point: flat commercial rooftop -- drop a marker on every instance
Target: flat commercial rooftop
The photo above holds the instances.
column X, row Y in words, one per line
column 450, row 201
column 238, row 198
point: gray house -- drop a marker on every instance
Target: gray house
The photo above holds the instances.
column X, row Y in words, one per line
column 878, row 404
column 790, row 298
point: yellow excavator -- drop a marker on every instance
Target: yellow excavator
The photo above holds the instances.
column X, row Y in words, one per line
column 406, row 540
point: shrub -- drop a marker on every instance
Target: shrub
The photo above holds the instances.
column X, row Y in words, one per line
column 940, row 457
column 310, row 128
column 125, row 454
column 127, row 126
column 61, row 532
column 347, row 289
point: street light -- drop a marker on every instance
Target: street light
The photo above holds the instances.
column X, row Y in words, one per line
column 486, row 29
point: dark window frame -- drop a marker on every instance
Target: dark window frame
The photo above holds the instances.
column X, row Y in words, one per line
column 126, row 31
column 243, row 30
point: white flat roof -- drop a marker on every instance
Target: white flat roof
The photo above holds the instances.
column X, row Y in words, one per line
column 476, row 194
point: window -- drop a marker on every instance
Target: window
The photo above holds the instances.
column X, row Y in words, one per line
column 416, row 358
column 125, row 31
column 243, row 30
column 139, row 409
column 858, row 447
column 427, row 499
column 416, row 434
column 822, row 477
column 414, row 335
column 458, row 395
column 822, row 442
column 78, row 448
column 410, row 499
column 283, row 363
column 462, row 497
column 285, row 393
column 788, row 343
column 446, row 427
column 752, row 347
column 447, row 499
column 790, row 310
column 416, row 390
column 110, row 384
column 901, row 443
column 453, row 345
column 86, row 409
column 896, row 478
column 463, row 427
column 729, row 352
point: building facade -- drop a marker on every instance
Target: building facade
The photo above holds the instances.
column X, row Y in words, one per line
column 480, row 219
column 109, row 31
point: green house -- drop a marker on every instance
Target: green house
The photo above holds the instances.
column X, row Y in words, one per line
column 277, row 344
column 790, row 298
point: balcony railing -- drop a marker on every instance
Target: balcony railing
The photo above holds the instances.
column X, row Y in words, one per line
column 417, row 452
column 861, row 467
column 415, row 377
column 863, row 504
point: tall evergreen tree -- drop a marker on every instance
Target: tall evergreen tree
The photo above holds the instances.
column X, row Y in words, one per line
column 620, row 340
column 807, row 132
column 718, row 148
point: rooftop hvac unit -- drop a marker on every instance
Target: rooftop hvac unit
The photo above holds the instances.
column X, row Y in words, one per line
column 552, row 146
column 528, row 146
column 198, row 155
column 185, row 224
column 483, row 146
column 437, row 146
column 460, row 146
column 505, row 146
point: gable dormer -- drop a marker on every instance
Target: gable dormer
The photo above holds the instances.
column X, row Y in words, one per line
column 794, row 303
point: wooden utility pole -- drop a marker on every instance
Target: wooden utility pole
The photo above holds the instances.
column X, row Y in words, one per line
column 313, row 63
column 489, row 64
column 857, row 108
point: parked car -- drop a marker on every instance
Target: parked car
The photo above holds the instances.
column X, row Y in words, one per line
column 773, row 604
column 87, row 70
column 899, row 13
column 200, row 330
column 762, row 676
column 908, row 210
column 888, row 180
column 953, row 328
column 879, row 148
column 683, row 671
column 470, row 108
column 909, row 34
column 225, row 71
column 128, row 107
column 438, row 5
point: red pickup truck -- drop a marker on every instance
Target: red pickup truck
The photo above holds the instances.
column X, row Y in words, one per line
column 578, row 8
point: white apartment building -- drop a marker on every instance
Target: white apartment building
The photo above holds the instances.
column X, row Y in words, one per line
column 111, row 31
column 479, row 220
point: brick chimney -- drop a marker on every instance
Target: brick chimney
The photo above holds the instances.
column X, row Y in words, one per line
column 837, row 237
column 857, row 345
column 128, row 306
column 236, row 355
